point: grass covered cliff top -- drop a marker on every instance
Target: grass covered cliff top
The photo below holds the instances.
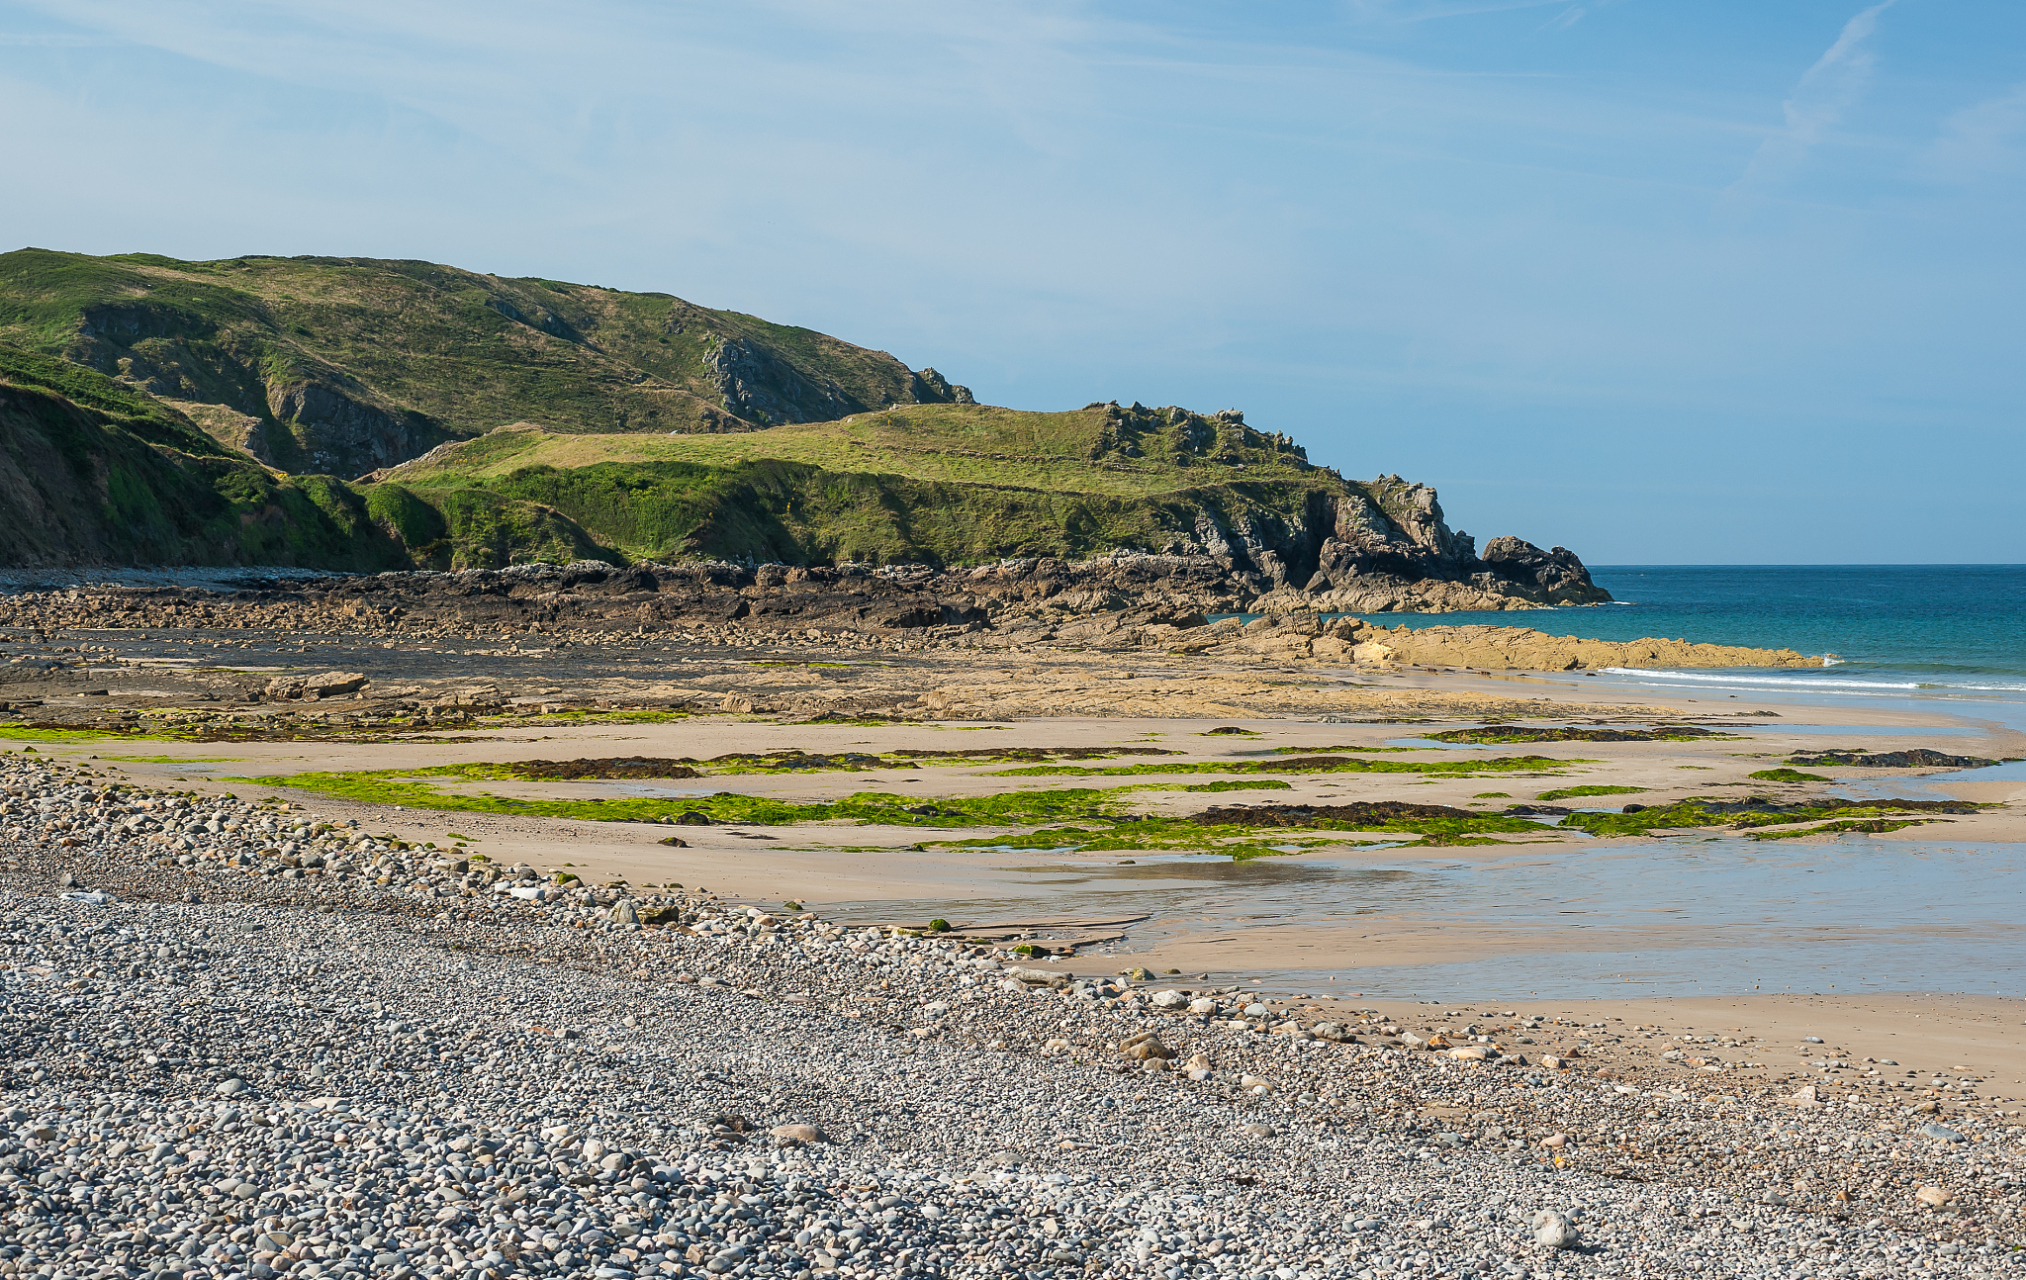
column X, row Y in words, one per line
column 945, row 444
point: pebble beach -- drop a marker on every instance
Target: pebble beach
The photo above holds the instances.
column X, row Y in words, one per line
column 242, row 1040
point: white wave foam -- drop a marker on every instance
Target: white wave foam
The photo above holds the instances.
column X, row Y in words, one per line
column 1784, row 682
column 1802, row 682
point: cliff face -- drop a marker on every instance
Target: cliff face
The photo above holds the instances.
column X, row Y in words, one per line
column 1059, row 514
column 93, row 472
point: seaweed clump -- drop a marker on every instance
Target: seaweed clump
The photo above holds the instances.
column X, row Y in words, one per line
column 1745, row 814
column 1375, row 812
column 611, row 767
column 1916, row 758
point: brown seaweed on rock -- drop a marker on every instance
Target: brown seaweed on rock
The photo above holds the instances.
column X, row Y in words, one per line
column 615, row 767
column 1304, row 815
column 1915, row 758
column 1567, row 733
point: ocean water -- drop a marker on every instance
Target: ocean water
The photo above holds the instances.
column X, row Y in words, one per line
column 1895, row 629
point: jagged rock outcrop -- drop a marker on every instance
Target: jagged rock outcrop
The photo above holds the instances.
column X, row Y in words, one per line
column 931, row 387
column 1384, row 547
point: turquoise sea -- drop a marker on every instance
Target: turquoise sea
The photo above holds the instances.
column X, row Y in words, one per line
column 1896, row 627
column 1909, row 633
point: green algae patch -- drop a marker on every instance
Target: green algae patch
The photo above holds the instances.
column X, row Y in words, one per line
column 59, row 733
column 1242, row 833
column 1434, row 823
column 1644, row 821
column 1300, row 764
column 1745, row 815
column 1784, row 774
column 1326, row 751
column 417, row 789
column 1152, row 835
column 775, row 762
column 1572, row 793
column 582, row 717
column 802, row 761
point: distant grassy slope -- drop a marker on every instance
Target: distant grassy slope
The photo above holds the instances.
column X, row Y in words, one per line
column 948, row 484
column 350, row 364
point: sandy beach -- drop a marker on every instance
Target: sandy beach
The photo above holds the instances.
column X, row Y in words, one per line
column 1185, row 912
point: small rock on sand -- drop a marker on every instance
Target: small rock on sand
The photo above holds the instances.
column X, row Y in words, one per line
column 1555, row 1230
column 1145, row 1045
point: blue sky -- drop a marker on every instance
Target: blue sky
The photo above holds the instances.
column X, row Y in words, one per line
column 1684, row 282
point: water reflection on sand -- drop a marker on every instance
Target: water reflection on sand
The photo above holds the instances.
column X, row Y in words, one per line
column 1694, row 915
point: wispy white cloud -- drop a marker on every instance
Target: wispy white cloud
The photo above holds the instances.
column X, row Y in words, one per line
column 1824, row 95
column 1981, row 140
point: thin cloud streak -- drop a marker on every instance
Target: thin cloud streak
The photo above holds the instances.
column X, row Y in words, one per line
column 1825, row 93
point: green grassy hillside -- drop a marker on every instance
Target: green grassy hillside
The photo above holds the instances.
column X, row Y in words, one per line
column 357, row 413
column 341, row 365
column 92, row 471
